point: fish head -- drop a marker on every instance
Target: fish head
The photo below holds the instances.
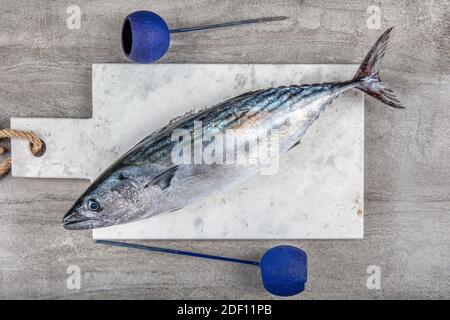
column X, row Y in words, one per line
column 112, row 199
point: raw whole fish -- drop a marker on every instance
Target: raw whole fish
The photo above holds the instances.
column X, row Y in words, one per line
column 147, row 181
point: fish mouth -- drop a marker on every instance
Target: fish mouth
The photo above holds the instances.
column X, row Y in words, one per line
column 75, row 221
column 79, row 225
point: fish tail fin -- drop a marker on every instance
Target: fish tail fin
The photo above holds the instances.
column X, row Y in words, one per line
column 369, row 74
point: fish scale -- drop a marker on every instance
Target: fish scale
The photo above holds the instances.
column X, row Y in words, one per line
column 220, row 116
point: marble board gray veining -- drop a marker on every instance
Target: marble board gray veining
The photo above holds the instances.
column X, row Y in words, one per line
column 317, row 194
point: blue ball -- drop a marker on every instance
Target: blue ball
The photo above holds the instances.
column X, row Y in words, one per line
column 284, row 270
column 145, row 37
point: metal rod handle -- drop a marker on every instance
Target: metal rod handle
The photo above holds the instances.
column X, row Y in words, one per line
column 179, row 252
column 228, row 24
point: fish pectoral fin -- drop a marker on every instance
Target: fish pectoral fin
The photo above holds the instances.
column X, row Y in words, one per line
column 163, row 180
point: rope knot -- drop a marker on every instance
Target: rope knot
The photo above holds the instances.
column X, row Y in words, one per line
column 36, row 145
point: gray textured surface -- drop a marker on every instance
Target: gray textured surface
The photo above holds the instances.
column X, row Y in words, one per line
column 45, row 71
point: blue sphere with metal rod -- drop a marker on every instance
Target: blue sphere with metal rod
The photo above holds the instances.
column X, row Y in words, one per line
column 283, row 268
column 146, row 36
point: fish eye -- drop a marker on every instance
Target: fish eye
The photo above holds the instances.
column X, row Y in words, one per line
column 93, row 205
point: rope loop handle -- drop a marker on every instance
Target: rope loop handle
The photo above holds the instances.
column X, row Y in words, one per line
column 36, row 146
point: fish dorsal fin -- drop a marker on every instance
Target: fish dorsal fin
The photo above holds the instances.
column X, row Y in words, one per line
column 163, row 180
column 295, row 144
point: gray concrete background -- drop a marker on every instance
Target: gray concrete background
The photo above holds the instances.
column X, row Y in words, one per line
column 45, row 72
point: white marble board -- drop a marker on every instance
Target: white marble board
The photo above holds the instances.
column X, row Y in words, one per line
column 317, row 194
